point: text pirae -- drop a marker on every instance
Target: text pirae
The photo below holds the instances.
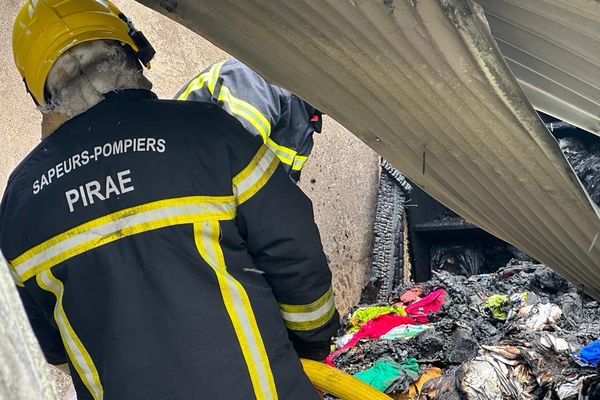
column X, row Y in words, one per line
column 99, row 190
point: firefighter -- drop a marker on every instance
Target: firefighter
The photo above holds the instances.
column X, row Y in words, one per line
column 282, row 120
column 159, row 250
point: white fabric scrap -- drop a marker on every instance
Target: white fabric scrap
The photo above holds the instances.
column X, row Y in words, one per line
column 539, row 315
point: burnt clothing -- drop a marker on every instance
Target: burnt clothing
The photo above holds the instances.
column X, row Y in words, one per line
column 165, row 254
column 283, row 121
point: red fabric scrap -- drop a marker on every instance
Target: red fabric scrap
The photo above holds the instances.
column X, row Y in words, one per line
column 373, row 329
column 428, row 304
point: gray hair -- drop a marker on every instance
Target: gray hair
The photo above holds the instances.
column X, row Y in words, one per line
column 83, row 74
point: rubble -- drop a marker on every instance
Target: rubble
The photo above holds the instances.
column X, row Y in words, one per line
column 583, row 153
column 522, row 332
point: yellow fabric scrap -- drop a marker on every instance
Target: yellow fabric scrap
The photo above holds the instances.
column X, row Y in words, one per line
column 364, row 315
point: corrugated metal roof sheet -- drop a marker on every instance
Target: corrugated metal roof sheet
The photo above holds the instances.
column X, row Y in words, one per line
column 553, row 48
column 423, row 83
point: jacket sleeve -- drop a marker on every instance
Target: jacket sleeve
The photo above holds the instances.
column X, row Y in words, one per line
column 295, row 129
column 277, row 222
column 47, row 335
column 269, row 112
column 241, row 92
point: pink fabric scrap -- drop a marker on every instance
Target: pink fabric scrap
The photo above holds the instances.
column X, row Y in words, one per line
column 427, row 305
column 373, row 329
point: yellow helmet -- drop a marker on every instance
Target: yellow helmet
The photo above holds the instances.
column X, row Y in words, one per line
column 45, row 29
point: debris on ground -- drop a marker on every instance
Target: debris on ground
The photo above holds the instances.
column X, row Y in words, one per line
column 472, row 258
column 583, row 153
column 522, row 332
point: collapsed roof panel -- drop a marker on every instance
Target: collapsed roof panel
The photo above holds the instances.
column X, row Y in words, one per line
column 424, row 84
column 553, row 48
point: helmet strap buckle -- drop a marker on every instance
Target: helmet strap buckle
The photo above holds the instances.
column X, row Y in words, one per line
column 145, row 51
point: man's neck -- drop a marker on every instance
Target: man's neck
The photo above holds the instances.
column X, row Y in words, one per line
column 51, row 121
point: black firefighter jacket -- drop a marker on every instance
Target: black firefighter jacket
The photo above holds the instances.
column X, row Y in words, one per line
column 163, row 253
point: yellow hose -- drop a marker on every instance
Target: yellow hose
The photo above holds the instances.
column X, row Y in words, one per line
column 339, row 383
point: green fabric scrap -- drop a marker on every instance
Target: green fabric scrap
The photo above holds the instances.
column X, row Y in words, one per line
column 364, row 315
column 499, row 305
column 386, row 371
column 411, row 368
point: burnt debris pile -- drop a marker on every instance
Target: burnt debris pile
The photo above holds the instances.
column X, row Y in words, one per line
column 522, row 332
column 583, row 153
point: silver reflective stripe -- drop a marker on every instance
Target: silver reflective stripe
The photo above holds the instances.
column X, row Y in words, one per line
column 299, row 162
column 241, row 187
column 239, row 310
column 127, row 221
column 78, row 355
column 284, row 156
column 319, row 313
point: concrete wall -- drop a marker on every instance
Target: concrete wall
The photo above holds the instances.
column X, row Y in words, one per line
column 340, row 178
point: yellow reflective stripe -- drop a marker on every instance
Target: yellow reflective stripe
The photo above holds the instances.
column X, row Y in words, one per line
column 12, row 271
column 197, row 84
column 178, row 201
column 214, row 76
column 280, row 148
column 252, row 178
column 299, row 162
column 243, row 175
column 305, row 317
column 247, row 111
column 238, row 106
column 80, row 358
column 240, row 312
column 286, row 155
column 312, row 324
column 288, row 152
column 131, row 221
column 305, row 308
column 210, row 77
